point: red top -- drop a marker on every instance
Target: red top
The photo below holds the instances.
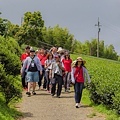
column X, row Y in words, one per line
column 67, row 64
column 24, row 56
column 42, row 58
column 79, row 74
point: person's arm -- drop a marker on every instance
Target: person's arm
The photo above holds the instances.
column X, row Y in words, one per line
column 50, row 71
column 47, row 65
column 72, row 75
column 24, row 66
column 39, row 65
column 87, row 75
column 60, row 66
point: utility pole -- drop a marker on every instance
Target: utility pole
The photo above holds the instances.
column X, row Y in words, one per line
column 21, row 20
column 98, row 37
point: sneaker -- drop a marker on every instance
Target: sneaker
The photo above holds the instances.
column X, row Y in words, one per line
column 28, row 93
column 77, row 105
column 33, row 92
column 58, row 96
column 53, row 94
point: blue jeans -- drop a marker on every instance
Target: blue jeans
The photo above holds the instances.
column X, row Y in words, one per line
column 78, row 91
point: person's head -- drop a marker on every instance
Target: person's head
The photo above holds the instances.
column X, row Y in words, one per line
column 27, row 49
column 53, row 49
column 32, row 52
column 36, row 52
column 50, row 56
column 80, row 62
column 67, row 55
column 42, row 51
column 57, row 58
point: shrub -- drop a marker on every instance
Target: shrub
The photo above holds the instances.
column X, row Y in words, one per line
column 8, row 58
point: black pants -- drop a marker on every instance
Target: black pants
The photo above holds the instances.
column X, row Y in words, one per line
column 47, row 79
column 59, row 81
column 24, row 84
column 41, row 77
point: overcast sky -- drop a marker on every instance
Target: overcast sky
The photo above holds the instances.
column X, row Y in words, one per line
column 79, row 16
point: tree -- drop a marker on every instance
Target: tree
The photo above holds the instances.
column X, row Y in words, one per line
column 58, row 36
column 31, row 29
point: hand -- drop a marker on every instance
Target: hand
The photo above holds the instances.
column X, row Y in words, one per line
column 66, row 71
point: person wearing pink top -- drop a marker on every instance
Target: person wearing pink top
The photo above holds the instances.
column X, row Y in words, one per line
column 67, row 61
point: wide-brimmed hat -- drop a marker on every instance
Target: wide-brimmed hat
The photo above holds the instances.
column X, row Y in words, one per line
column 80, row 59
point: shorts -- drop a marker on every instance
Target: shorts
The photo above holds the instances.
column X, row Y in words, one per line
column 32, row 77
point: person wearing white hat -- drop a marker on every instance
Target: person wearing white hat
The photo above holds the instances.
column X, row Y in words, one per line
column 32, row 67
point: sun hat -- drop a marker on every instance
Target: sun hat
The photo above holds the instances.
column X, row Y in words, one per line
column 80, row 59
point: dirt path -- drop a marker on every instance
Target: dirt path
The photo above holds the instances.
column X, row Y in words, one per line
column 45, row 107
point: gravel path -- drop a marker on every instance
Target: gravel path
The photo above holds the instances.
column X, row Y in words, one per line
column 45, row 107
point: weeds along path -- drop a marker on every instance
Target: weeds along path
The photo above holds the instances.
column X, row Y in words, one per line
column 45, row 107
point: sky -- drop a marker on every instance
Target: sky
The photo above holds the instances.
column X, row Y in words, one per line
column 78, row 16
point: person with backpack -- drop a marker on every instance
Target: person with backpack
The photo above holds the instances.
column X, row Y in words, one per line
column 32, row 67
column 78, row 77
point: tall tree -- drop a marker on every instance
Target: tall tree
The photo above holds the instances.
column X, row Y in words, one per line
column 31, row 29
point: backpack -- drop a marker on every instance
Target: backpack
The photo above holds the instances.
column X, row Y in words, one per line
column 32, row 66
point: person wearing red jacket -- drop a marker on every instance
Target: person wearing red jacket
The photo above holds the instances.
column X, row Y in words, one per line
column 42, row 57
column 67, row 61
column 22, row 58
column 78, row 75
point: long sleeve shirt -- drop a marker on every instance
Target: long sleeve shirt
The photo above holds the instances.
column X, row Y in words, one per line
column 85, row 74
column 27, row 63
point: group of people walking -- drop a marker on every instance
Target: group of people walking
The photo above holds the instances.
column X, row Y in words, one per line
column 57, row 68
